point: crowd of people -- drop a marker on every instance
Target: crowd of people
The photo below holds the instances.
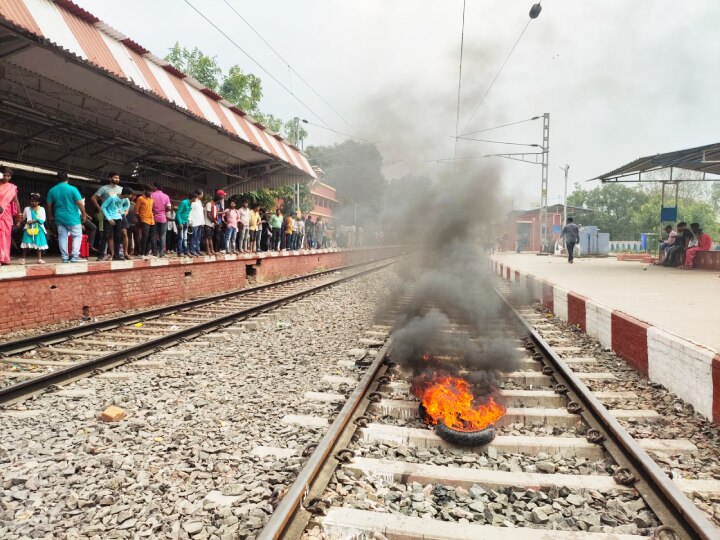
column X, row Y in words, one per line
column 682, row 245
column 148, row 224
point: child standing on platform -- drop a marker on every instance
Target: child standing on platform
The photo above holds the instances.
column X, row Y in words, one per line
column 34, row 235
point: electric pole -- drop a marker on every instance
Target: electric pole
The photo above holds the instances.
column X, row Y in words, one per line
column 566, row 168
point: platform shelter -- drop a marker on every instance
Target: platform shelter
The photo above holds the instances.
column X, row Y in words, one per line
column 79, row 95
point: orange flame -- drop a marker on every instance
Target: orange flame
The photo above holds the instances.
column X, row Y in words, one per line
column 450, row 399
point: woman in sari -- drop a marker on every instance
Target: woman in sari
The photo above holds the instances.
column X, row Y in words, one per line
column 9, row 206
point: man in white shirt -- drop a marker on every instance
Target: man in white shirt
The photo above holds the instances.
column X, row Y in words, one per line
column 196, row 222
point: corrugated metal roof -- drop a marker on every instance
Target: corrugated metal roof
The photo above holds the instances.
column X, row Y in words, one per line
column 17, row 11
column 75, row 30
column 704, row 159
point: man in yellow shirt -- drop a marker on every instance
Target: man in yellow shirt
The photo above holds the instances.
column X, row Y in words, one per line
column 254, row 223
column 289, row 222
column 146, row 219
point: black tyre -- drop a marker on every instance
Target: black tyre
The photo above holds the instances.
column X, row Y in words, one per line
column 465, row 438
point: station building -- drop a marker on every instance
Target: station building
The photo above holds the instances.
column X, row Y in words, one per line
column 78, row 95
column 522, row 231
column 324, row 198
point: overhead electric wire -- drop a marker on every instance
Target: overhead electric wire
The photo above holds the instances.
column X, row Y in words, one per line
column 497, row 75
column 496, row 142
column 501, row 126
column 462, row 45
column 290, row 68
column 356, row 149
column 256, row 62
column 338, row 132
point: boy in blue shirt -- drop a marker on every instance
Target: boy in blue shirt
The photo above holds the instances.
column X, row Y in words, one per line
column 113, row 209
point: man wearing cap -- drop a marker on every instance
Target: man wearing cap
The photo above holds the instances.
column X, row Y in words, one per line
column 220, row 225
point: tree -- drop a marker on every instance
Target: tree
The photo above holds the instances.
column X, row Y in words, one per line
column 294, row 132
column 268, row 198
column 354, row 169
column 626, row 212
column 199, row 66
column 242, row 90
column 287, row 195
column 270, row 121
column 613, row 207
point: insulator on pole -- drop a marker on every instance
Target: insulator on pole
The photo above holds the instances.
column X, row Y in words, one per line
column 535, row 11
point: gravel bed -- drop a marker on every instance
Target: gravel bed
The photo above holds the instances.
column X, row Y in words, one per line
column 555, row 509
column 39, row 331
column 179, row 465
column 678, row 418
column 492, row 459
column 510, row 429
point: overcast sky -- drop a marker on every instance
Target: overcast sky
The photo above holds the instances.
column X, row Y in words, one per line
column 620, row 79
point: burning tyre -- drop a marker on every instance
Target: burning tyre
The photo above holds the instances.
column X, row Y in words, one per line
column 465, row 438
column 459, row 415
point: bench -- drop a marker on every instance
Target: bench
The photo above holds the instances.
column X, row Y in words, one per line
column 707, row 260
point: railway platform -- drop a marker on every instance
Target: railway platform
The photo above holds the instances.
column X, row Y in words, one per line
column 664, row 322
column 36, row 295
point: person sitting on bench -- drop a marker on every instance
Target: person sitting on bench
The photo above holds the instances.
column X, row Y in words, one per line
column 704, row 243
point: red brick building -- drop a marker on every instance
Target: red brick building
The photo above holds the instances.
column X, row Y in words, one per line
column 324, row 200
column 522, row 230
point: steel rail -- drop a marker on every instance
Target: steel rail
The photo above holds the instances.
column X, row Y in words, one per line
column 50, row 338
column 290, row 518
column 25, row 389
column 661, row 494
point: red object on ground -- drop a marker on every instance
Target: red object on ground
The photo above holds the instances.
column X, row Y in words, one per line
column 84, row 246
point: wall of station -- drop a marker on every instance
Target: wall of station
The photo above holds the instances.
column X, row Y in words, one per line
column 687, row 369
column 40, row 295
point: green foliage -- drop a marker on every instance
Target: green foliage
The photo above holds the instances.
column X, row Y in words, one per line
column 270, row 121
column 242, row 90
column 613, row 206
column 268, row 198
column 354, row 168
column 294, row 131
column 199, row 66
column 287, row 194
column 625, row 212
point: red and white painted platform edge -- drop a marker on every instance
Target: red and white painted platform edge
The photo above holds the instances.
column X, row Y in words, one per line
column 690, row 370
column 18, row 271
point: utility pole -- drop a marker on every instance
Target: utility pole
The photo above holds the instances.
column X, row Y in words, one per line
column 566, row 168
column 544, row 184
column 297, row 143
column 538, row 158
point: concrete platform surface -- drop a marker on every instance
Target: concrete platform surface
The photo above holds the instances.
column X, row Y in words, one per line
column 683, row 302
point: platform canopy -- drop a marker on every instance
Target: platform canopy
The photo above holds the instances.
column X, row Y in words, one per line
column 702, row 159
column 77, row 94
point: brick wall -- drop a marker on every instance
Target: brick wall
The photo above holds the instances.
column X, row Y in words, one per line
column 716, row 389
column 682, row 367
column 576, row 310
column 560, row 302
column 629, row 341
column 48, row 296
column 547, row 296
column 598, row 322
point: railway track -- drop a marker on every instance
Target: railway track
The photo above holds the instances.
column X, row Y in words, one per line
column 32, row 365
column 561, row 466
